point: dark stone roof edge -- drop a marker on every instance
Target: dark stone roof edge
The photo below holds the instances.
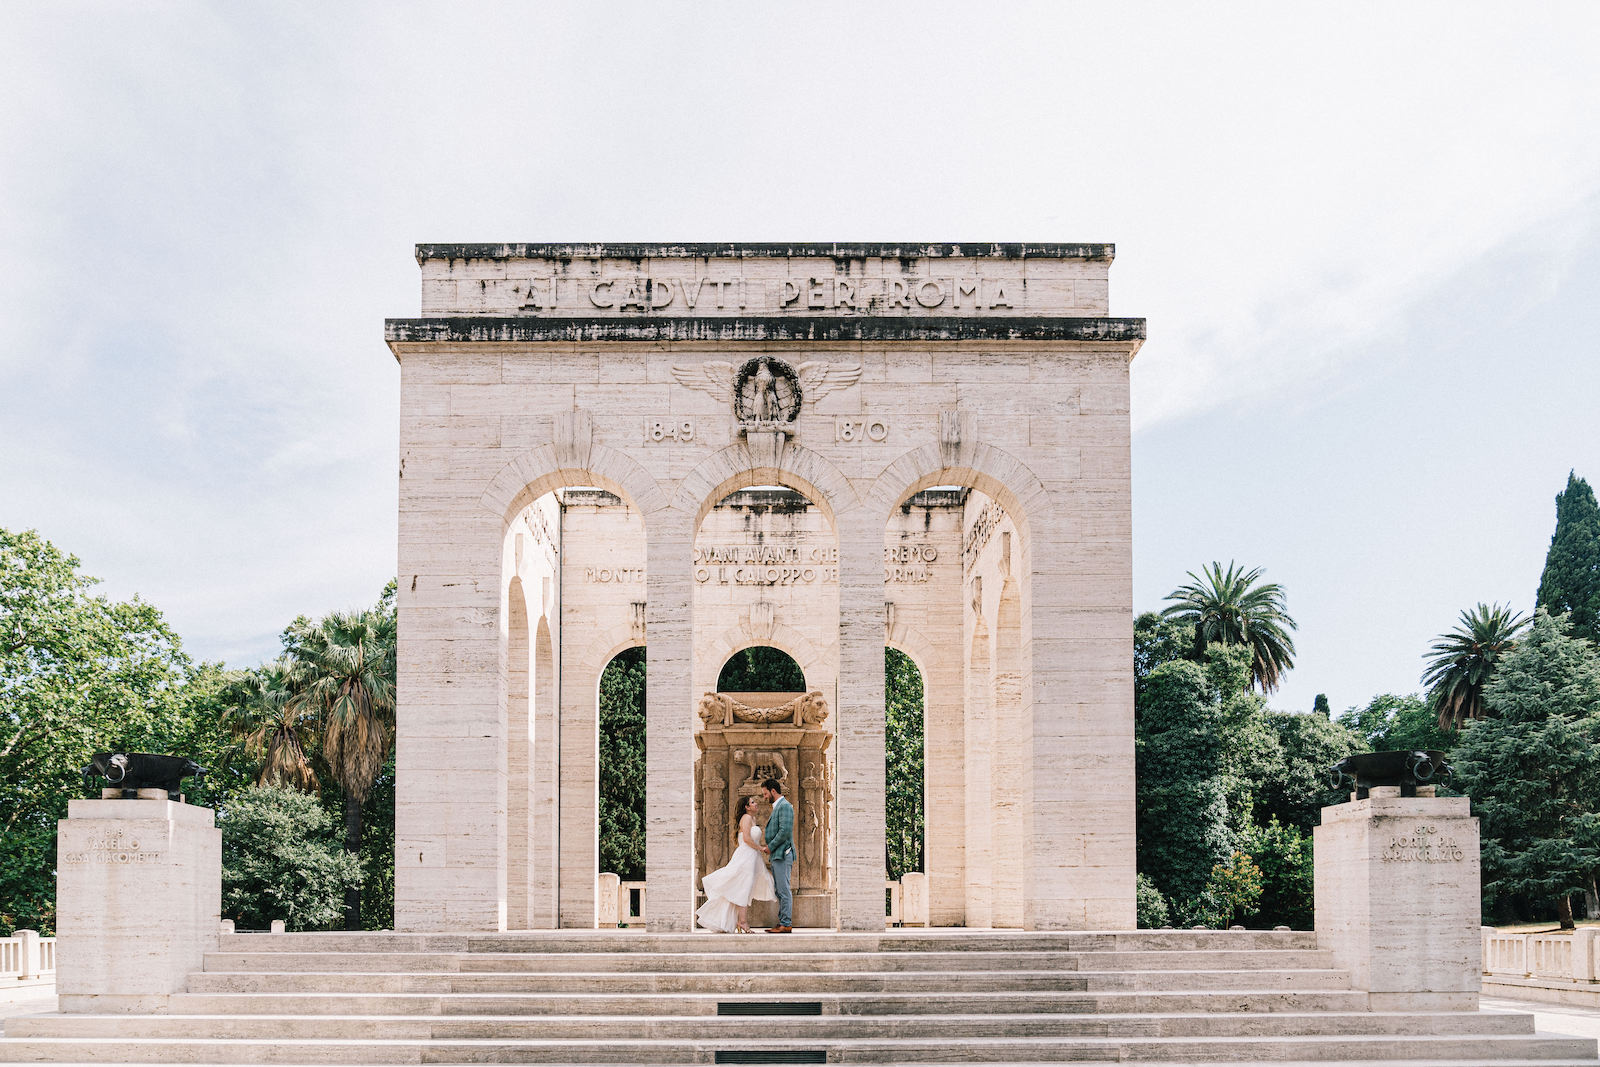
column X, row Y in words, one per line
column 476, row 329
column 759, row 250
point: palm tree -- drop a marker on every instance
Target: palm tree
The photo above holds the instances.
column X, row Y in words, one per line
column 1461, row 662
column 1232, row 609
column 271, row 724
column 348, row 661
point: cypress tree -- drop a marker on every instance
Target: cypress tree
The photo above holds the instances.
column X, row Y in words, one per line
column 1571, row 580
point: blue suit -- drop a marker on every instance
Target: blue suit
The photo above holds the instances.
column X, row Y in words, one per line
column 779, row 836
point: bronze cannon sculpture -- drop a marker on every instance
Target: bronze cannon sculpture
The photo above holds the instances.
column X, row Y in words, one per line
column 1408, row 770
column 133, row 771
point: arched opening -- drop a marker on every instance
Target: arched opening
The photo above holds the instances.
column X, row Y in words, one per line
column 761, row 669
column 904, row 806
column 621, row 780
column 766, row 600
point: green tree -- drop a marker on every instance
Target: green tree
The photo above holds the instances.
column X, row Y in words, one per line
column 1158, row 640
column 275, row 727
column 282, row 860
column 622, row 765
column 761, row 669
column 1232, row 891
column 1533, row 769
column 1288, row 875
column 1570, row 583
column 1236, row 608
column 1180, row 736
column 79, row 673
column 1319, row 706
column 903, row 717
column 1392, row 723
column 1461, row 662
column 1295, row 789
column 1150, row 906
column 346, row 666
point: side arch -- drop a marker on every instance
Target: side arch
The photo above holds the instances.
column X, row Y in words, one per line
column 735, row 467
column 984, row 467
column 536, row 472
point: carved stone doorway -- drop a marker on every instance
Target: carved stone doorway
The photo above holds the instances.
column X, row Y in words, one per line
column 748, row 738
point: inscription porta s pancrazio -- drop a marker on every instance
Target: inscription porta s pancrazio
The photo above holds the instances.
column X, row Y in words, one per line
column 1424, row 844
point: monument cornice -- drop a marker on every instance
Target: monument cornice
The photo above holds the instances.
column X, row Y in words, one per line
column 636, row 250
column 474, row 329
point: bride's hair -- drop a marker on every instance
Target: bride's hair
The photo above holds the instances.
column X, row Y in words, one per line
column 740, row 809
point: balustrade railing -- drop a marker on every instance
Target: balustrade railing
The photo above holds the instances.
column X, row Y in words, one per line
column 1568, row 957
column 26, row 955
column 622, row 903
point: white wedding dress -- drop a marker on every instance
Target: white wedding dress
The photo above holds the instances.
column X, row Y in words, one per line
column 744, row 879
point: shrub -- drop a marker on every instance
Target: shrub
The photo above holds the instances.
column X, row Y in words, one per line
column 1288, row 874
column 1151, row 906
column 1234, row 888
column 281, row 859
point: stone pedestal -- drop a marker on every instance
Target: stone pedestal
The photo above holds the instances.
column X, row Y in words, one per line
column 1397, row 899
column 138, row 902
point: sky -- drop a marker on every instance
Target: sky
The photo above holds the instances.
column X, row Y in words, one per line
column 1366, row 238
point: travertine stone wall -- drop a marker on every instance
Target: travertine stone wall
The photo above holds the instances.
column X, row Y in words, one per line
column 858, row 375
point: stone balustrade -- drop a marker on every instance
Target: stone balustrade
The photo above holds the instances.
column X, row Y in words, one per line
column 1569, row 957
column 26, row 956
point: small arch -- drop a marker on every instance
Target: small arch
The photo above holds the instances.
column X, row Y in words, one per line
column 538, row 471
column 988, row 469
column 733, row 468
column 791, row 642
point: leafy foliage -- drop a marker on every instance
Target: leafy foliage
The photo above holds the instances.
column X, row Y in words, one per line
column 1391, row 723
column 622, row 765
column 282, row 860
column 1533, row 770
column 1461, row 662
column 1288, row 875
column 903, row 801
column 761, row 669
column 1158, row 640
column 1233, row 609
column 79, row 673
column 1150, row 906
column 1233, row 890
column 1180, row 735
column 1295, row 789
column 1570, row 582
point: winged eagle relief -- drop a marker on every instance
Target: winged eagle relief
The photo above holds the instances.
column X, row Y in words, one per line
column 766, row 390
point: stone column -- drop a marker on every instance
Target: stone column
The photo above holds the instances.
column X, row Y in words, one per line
column 450, row 745
column 1397, row 899
column 579, row 800
column 669, row 727
column 138, row 901
column 860, row 769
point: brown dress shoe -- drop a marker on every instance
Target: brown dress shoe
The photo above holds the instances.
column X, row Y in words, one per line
column 781, row 930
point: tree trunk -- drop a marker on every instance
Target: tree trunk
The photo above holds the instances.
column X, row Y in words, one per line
column 1564, row 911
column 352, row 845
column 1591, row 899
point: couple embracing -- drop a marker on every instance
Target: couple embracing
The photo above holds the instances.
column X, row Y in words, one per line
column 746, row 878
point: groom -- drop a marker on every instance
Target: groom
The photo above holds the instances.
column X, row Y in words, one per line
column 779, row 844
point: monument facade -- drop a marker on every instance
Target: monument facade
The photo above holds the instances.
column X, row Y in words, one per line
column 827, row 449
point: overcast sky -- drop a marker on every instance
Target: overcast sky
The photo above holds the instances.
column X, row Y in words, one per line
column 1366, row 239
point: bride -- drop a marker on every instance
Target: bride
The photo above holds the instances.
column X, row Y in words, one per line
column 745, row 878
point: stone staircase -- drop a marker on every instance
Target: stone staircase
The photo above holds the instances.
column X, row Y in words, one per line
column 904, row 997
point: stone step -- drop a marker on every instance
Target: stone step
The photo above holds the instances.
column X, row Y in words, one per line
column 800, row 1029
column 789, row 962
column 535, row 941
column 1037, row 1001
column 1462, row 1050
column 937, row 982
